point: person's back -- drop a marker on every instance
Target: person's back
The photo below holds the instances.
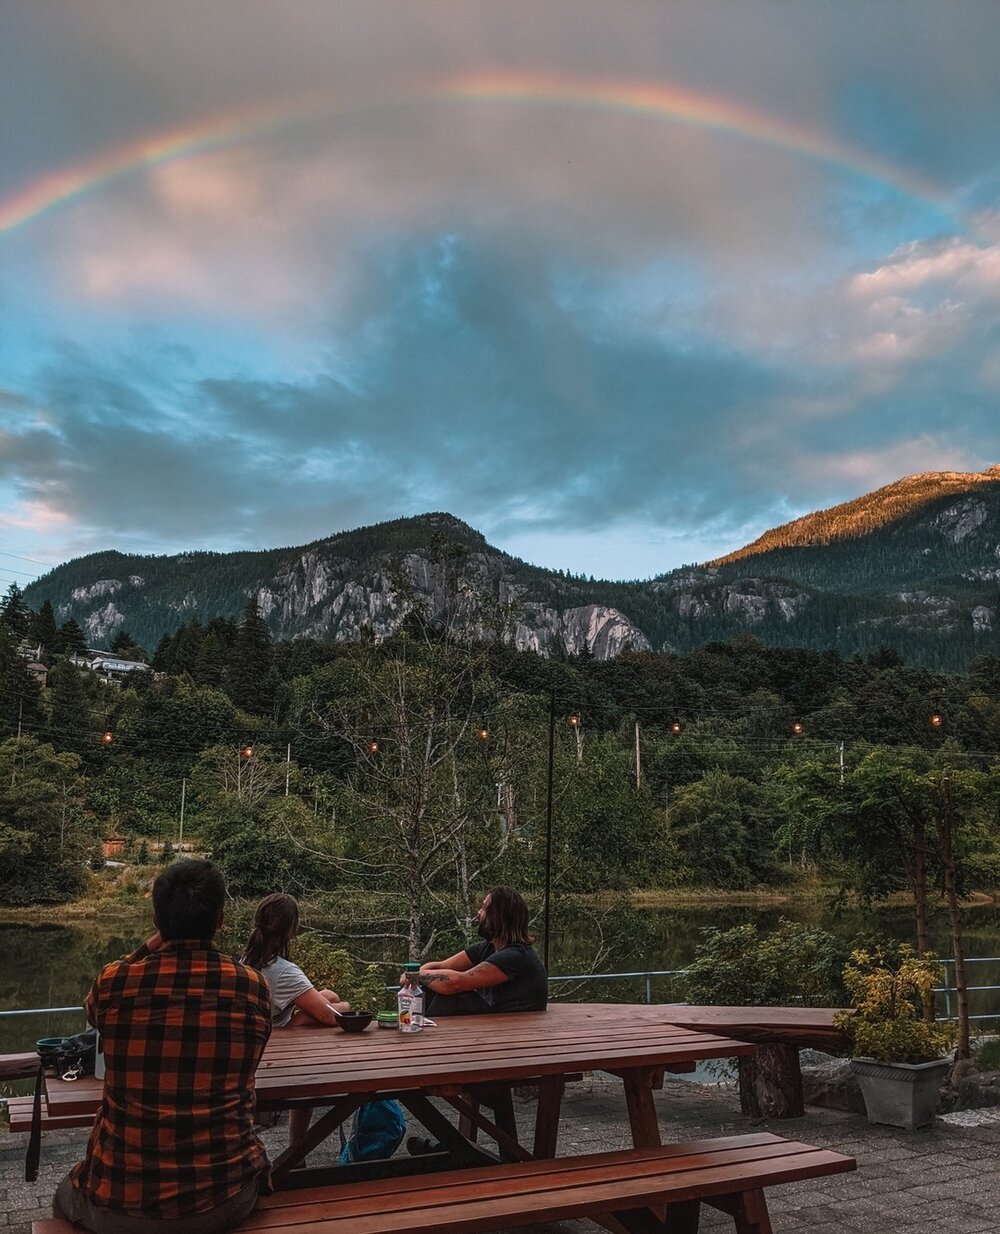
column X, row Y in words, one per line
column 183, row 1028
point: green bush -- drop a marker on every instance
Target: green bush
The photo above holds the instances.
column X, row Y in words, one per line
column 796, row 965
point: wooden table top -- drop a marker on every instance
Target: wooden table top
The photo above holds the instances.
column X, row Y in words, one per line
column 326, row 1062
column 812, row 1027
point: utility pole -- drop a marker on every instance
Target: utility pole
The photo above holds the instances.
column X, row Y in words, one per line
column 548, row 827
column 288, row 766
column 638, row 758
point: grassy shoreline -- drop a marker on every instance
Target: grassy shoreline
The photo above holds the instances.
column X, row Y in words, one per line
column 110, row 910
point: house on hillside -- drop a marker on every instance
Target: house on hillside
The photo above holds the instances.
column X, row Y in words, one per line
column 114, row 668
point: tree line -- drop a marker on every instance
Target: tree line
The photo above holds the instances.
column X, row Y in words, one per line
column 418, row 768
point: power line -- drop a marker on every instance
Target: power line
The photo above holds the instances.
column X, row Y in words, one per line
column 34, row 560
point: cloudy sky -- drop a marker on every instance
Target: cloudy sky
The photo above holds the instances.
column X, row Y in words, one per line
column 622, row 285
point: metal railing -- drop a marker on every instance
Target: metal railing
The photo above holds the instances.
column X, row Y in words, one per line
column 949, row 991
column 647, row 976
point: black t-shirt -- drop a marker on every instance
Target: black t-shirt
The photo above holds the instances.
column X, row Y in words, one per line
column 526, row 987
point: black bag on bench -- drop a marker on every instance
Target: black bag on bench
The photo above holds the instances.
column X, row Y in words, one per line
column 72, row 1058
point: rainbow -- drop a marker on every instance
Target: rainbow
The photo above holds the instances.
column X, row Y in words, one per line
column 657, row 101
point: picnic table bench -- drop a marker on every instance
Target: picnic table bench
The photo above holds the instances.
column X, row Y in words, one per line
column 632, row 1188
column 18, row 1066
column 19, row 1116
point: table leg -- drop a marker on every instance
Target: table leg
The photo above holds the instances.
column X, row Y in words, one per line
column 464, row 1152
column 499, row 1099
column 550, row 1094
column 748, row 1209
column 639, row 1083
column 316, row 1134
column 472, row 1116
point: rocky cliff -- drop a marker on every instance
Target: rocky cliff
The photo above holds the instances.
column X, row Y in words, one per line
column 914, row 566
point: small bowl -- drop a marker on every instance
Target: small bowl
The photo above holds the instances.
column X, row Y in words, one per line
column 49, row 1049
column 354, row 1021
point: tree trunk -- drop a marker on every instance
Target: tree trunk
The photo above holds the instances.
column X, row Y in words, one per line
column 954, row 920
column 771, row 1083
column 920, row 907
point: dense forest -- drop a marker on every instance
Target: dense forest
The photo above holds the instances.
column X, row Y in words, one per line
column 420, row 765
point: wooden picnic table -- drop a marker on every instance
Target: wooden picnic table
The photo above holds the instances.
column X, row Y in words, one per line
column 462, row 1062
column 465, row 1054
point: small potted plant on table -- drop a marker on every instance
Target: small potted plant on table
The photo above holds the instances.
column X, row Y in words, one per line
column 896, row 1054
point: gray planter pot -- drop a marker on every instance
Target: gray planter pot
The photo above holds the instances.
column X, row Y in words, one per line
column 901, row 1094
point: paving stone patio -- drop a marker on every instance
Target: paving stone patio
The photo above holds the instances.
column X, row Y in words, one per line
column 943, row 1180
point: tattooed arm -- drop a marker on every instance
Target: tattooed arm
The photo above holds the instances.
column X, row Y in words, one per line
column 452, row 981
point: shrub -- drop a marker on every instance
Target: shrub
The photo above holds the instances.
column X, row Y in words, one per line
column 796, row 964
column 886, row 985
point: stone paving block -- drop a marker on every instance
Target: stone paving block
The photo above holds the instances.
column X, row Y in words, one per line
column 943, row 1181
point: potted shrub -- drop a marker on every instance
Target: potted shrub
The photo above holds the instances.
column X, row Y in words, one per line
column 896, row 1055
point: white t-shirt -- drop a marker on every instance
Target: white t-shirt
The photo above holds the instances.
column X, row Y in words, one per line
column 287, row 982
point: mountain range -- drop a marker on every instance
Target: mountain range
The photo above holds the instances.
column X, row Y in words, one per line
column 914, row 566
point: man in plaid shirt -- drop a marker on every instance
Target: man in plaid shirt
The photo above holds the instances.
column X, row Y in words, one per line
column 183, row 1028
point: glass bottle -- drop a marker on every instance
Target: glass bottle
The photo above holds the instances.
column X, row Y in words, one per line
column 410, row 1000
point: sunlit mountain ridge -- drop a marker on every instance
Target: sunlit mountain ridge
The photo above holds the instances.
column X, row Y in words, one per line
column 914, row 566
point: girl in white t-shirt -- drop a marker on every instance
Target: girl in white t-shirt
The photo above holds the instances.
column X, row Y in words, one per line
column 295, row 1001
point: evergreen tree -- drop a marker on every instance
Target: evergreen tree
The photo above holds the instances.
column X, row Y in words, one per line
column 20, row 695
column 251, row 679
column 44, row 630
column 210, row 664
column 73, row 640
column 73, row 722
column 125, row 646
column 15, row 614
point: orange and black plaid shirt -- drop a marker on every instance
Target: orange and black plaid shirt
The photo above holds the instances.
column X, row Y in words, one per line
column 183, row 1029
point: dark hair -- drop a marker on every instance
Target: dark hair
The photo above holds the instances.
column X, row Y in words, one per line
column 275, row 924
column 188, row 898
column 506, row 916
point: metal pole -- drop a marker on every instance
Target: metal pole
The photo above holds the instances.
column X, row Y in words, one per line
column 638, row 758
column 180, row 833
column 841, row 763
column 288, row 766
column 548, row 829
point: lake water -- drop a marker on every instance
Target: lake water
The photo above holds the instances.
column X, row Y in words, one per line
column 53, row 965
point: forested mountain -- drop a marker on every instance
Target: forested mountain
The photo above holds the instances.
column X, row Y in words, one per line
column 914, row 566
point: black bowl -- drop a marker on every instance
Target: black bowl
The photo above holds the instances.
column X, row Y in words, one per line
column 49, row 1049
column 354, row 1021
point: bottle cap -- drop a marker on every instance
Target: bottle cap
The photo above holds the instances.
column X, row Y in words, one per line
column 411, row 968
